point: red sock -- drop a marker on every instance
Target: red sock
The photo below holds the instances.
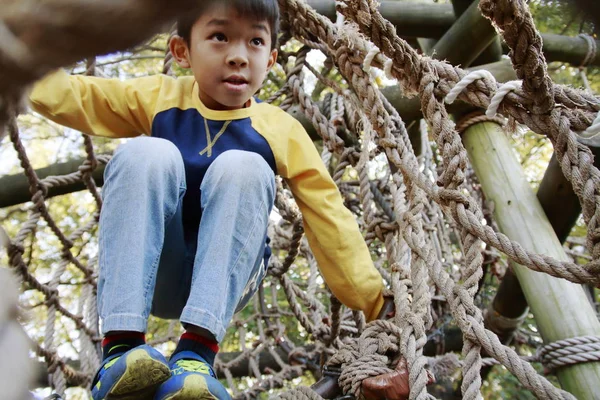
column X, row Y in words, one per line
column 204, row 347
column 121, row 342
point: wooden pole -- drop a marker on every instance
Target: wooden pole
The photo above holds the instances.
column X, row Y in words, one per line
column 472, row 28
column 562, row 208
column 561, row 308
column 14, row 189
column 493, row 52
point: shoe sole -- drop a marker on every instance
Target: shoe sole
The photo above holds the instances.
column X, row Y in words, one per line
column 141, row 378
column 194, row 388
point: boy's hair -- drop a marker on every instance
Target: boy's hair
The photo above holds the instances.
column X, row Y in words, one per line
column 259, row 9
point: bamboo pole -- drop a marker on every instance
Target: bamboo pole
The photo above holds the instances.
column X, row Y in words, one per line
column 472, row 28
column 561, row 308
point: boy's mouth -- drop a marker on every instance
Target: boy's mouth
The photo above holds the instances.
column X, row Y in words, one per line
column 236, row 80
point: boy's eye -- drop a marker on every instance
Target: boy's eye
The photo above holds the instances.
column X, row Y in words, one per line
column 219, row 37
column 258, row 41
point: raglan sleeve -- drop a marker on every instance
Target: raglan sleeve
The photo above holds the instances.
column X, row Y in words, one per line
column 331, row 230
column 98, row 106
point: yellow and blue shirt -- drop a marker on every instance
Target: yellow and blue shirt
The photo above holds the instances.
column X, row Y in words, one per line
column 170, row 108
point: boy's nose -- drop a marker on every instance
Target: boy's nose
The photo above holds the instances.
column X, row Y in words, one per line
column 237, row 58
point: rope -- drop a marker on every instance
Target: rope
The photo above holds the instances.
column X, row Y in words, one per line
column 500, row 94
column 570, row 351
column 475, row 118
column 591, row 49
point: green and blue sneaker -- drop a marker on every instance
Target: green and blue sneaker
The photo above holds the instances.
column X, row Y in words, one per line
column 192, row 378
column 132, row 375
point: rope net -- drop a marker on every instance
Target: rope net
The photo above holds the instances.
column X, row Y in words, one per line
column 422, row 214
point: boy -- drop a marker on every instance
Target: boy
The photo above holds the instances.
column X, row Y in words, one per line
column 184, row 220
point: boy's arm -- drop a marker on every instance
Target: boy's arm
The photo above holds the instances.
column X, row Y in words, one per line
column 331, row 229
column 97, row 106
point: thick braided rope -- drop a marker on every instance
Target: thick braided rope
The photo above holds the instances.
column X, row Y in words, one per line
column 366, row 356
column 368, row 108
column 476, row 117
column 300, row 393
column 513, row 19
column 413, row 317
column 16, row 250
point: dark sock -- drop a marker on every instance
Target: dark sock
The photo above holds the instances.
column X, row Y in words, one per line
column 121, row 343
column 204, row 347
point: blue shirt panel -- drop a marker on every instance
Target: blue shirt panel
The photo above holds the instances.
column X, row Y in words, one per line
column 186, row 129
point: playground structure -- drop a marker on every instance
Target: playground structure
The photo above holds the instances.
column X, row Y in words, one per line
column 415, row 215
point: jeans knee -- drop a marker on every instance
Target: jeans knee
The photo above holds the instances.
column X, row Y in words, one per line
column 152, row 157
column 243, row 168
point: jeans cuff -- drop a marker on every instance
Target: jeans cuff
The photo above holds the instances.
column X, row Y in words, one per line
column 124, row 322
column 203, row 319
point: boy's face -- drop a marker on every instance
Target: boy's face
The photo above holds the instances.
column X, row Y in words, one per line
column 229, row 55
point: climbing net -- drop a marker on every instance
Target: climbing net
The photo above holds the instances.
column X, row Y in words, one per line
column 421, row 215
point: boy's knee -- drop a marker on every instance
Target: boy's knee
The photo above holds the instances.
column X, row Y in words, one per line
column 148, row 146
column 243, row 166
column 149, row 152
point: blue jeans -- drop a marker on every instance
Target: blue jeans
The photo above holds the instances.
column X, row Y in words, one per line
column 147, row 264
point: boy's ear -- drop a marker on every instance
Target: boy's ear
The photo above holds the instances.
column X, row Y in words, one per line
column 272, row 59
column 180, row 51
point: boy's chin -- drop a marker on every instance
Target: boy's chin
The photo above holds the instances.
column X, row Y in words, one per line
column 228, row 104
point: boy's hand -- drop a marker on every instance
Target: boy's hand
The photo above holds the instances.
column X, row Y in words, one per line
column 393, row 385
column 388, row 310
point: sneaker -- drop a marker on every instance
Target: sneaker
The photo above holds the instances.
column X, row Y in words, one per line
column 191, row 378
column 132, row 375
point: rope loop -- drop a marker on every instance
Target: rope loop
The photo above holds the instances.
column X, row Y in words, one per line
column 502, row 91
column 576, row 350
column 466, row 81
column 474, row 118
column 591, row 49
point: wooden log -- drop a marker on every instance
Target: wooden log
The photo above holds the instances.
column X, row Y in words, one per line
column 561, row 308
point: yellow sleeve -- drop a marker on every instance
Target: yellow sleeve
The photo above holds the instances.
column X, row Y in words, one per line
column 98, row 106
column 331, row 229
